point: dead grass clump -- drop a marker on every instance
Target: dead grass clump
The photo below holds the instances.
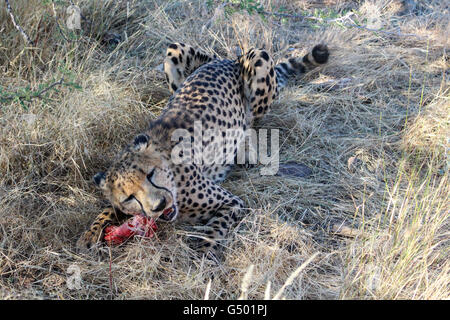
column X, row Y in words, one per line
column 403, row 256
column 427, row 139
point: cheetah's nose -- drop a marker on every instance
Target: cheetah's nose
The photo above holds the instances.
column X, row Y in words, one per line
column 161, row 205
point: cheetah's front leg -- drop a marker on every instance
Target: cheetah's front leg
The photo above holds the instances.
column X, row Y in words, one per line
column 223, row 219
column 214, row 207
column 107, row 217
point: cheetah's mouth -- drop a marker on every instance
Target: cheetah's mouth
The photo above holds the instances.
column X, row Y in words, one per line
column 169, row 214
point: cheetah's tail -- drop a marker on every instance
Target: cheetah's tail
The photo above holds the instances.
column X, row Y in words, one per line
column 295, row 67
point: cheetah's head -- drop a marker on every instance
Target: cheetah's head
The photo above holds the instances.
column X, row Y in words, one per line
column 141, row 182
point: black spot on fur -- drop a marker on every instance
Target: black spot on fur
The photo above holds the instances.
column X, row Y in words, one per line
column 259, row 92
column 265, row 56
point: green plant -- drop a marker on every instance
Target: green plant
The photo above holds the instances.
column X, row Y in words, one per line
column 42, row 91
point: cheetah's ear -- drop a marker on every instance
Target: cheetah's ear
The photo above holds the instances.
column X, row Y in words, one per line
column 141, row 142
column 100, row 180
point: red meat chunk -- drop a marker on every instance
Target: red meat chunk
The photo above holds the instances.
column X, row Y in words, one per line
column 138, row 225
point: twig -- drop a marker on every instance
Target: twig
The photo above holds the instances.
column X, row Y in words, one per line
column 37, row 95
column 13, row 19
column 61, row 81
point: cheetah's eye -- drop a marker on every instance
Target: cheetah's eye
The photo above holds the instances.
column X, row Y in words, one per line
column 131, row 197
column 150, row 175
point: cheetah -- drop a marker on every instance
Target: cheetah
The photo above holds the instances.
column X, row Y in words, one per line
column 218, row 94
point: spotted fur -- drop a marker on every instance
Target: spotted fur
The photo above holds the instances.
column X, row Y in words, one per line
column 219, row 95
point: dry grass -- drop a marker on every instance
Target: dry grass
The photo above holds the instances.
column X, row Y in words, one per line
column 377, row 145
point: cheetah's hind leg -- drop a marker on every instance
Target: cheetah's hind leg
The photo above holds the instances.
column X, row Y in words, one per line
column 257, row 71
column 181, row 60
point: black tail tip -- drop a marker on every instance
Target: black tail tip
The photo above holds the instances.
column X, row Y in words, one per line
column 320, row 53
